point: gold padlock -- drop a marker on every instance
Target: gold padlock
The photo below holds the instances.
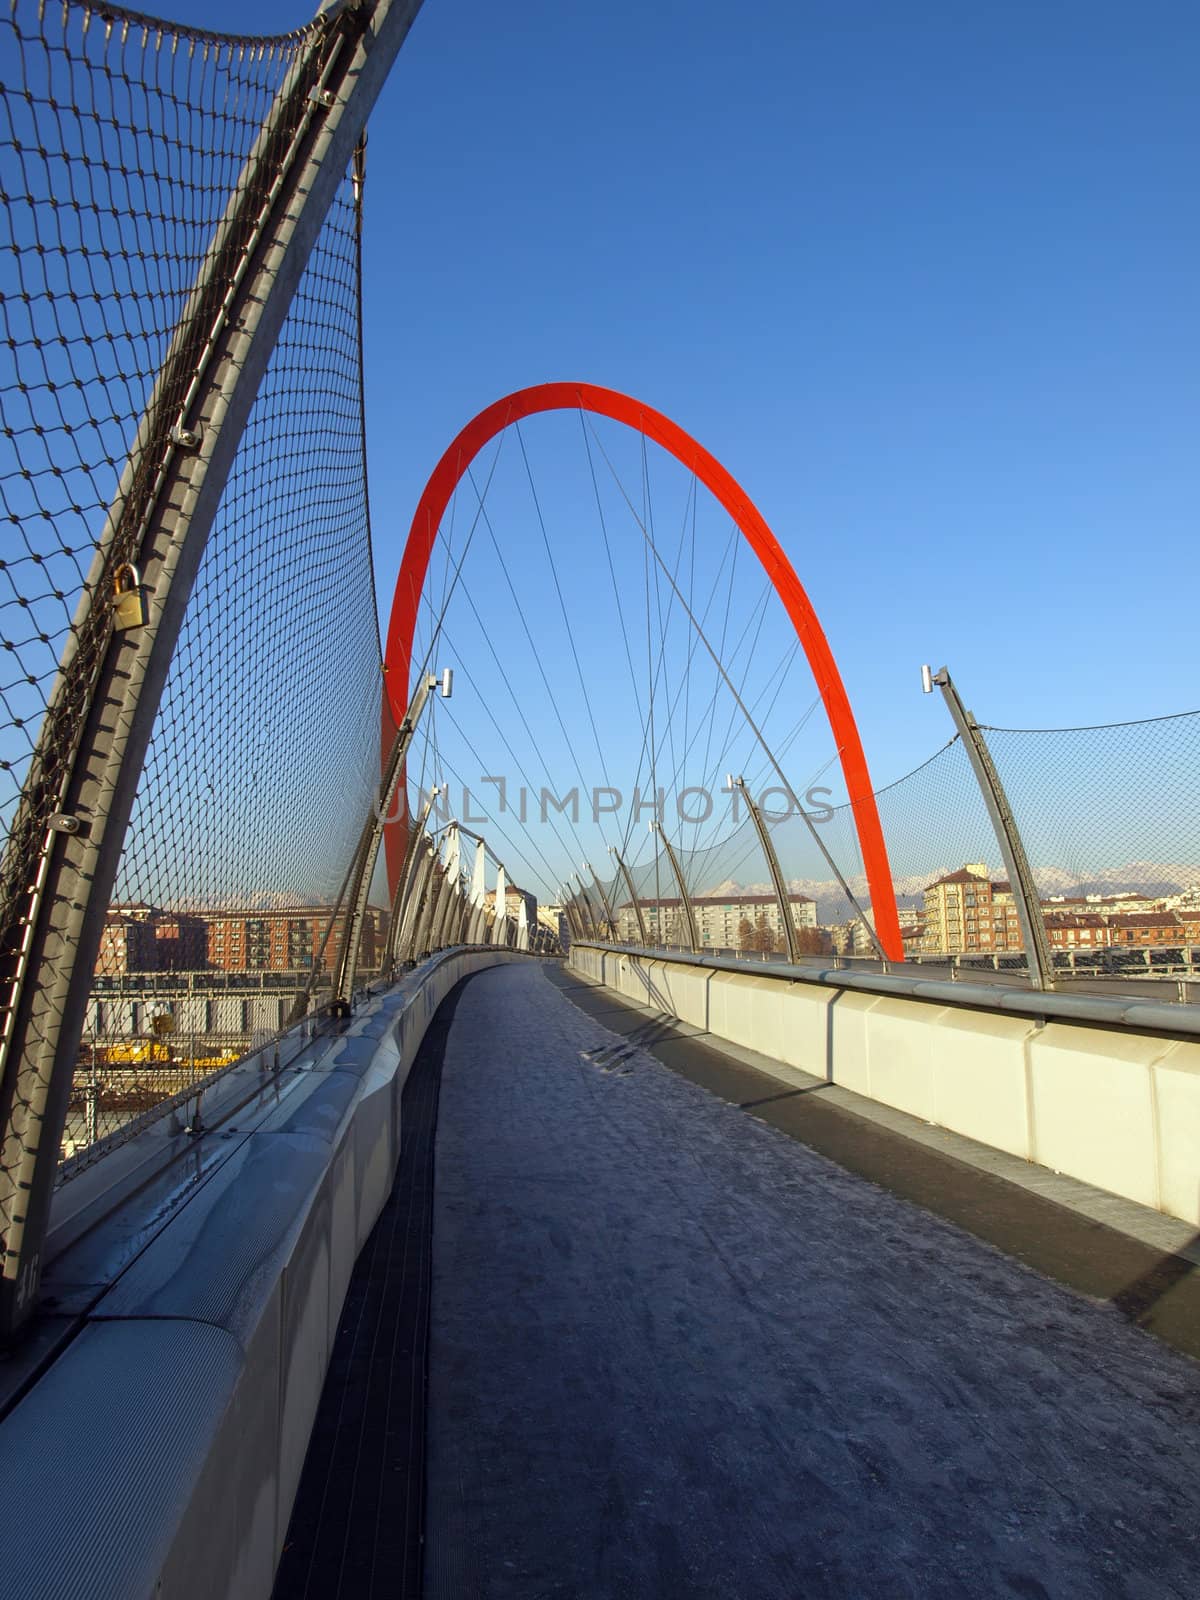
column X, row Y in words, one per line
column 129, row 598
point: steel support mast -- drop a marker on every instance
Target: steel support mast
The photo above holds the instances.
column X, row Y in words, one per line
column 372, row 837
column 688, row 913
column 604, row 900
column 632, row 892
column 66, row 841
column 1008, row 837
column 768, row 849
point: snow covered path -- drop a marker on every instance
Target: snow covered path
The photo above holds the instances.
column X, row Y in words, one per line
column 675, row 1353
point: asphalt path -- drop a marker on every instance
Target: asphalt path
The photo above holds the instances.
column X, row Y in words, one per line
column 674, row 1351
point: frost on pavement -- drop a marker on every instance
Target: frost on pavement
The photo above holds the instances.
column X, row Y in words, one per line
column 676, row 1353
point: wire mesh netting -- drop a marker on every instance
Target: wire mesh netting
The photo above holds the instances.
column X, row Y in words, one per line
column 935, row 824
column 121, row 144
column 731, row 892
column 1110, row 820
column 264, row 758
column 937, row 830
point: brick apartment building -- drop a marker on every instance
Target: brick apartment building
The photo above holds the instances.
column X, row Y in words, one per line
column 1075, row 930
column 1154, row 928
column 966, row 913
column 142, row 938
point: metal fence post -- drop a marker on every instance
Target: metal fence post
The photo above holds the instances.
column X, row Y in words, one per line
column 604, row 901
column 1029, row 909
column 576, row 909
column 572, row 914
column 372, row 838
column 405, row 879
column 688, row 914
column 448, row 930
column 500, row 903
column 451, row 930
column 66, row 842
column 434, row 906
column 414, row 906
column 585, row 900
column 632, row 892
column 587, row 908
column 768, row 849
column 477, row 922
column 460, row 924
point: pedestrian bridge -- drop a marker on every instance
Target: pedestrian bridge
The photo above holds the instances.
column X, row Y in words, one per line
column 351, row 1242
column 636, row 1309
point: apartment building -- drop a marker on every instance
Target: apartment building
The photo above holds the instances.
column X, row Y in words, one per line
column 967, row 912
column 1104, row 905
column 138, row 937
column 850, row 938
column 513, row 898
column 719, row 918
column 127, row 940
column 287, row 940
column 1151, row 928
column 1075, row 930
column 142, row 938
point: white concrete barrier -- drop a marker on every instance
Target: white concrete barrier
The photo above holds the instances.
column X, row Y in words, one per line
column 1106, row 1101
column 160, row 1453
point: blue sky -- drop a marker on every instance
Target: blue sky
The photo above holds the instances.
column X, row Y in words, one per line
column 922, row 276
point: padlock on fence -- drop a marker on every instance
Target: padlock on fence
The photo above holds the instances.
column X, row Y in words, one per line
column 129, row 598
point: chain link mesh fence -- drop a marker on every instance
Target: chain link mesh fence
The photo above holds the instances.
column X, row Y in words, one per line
column 120, row 143
column 1110, row 822
column 122, row 140
column 733, row 899
column 937, row 830
column 934, row 820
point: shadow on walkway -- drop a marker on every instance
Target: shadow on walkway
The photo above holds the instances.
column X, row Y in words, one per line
column 1158, row 1291
column 357, row 1520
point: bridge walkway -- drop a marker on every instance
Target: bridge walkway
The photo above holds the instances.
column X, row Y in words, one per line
column 674, row 1351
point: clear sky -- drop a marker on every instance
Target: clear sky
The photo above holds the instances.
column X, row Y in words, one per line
column 923, row 276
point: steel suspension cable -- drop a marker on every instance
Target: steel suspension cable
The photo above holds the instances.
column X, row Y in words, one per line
column 424, row 667
column 497, row 723
column 587, row 701
column 612, row 571
column 697, row 635
column 783, row 778
column 529, row 638
column 662, row 647
column 719, row 763
column 470, row 745
column 777, row 680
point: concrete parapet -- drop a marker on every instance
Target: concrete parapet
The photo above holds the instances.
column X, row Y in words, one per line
column 160, row 1453
column 1114, row 1102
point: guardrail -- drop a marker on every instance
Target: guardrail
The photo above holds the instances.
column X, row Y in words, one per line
column 158, row 1416
column 1143, row 974
column 1104, row 1089
column 1109, row 1010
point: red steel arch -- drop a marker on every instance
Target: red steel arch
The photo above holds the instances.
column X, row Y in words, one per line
column 622, row 408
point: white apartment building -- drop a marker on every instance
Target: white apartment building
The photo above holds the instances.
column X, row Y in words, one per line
column 719, row 918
